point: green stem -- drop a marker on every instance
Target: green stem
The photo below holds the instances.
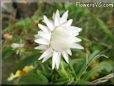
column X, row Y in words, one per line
column 63, row 69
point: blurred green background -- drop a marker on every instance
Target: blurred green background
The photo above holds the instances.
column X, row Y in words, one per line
column 20, row 20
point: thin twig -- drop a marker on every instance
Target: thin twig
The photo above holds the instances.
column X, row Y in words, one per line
column 103, row 79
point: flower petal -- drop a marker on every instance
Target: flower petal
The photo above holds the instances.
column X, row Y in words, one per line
column 75, row 29
column 65, row 55
column 77, row 39
column 68, row 23
column 69, row 52
column 45, row 54
column 42, row 41
column 58, row 60
column 49, row 23
column 64, row 17
column 73, row 33
column 78, row 46
column 40, row 33
column 54, row 58
column 41, row 47
column 57, row 18
column 44, row 35
column 43, row 28
column 46, row 58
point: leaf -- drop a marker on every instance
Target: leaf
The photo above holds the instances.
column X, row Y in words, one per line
column 103, row 27
column 33, row 78
column 24, row 22
column 107, row 66
column 62, row 80
column 76, row 64
column 29, row 58
column 93, row 55
column 103, row 66
column 82, row 82
column 90, row 73
column 7, row 52
column 42, row 77
column 87, row 61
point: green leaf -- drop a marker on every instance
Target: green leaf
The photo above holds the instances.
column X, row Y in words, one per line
column 82, row 82
column 33, row 78
column 24, row 22
column 103, row 27
column 62, row 80
column 107, row 66
column 92, row 71
column 7, row 52
column 93, row 55
column 76, row 64
column 29, row 58
column 103, row 66
column 87, row 62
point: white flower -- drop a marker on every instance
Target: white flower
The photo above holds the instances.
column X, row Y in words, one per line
column 57, row 38
column 18, row 47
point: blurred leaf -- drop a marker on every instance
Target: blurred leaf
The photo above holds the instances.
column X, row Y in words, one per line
column 103, row 66
column 24, row 22
column 92, row 56
column 107, row 66
column 87, row 62
column 103, row 27
column 33, row 78
column 82, row 82
column 62, row 80
column 7, row 52
column 76, row 64
column 91, row 73
column 29, row 58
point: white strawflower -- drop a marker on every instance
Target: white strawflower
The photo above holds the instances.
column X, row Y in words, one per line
column 57, row 38
column 18, row 47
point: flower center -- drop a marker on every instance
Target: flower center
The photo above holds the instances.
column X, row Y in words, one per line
column 60, row 39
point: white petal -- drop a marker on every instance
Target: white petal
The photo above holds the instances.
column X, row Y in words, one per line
column 68, row 23
column 78, row 46
column 54, row 58
column 41, row 33
column 43, row 28
column 46, row 53
column 58, row 60
column 64, row 17
column 65, row 55
column 41, row 47
column 77, row 39
column 69, row 52
column 73, row 33
column 46, row 58
column 57, row 18
column 42, row 41
column 44, row 35
column 75, row 29
column 49, row 23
